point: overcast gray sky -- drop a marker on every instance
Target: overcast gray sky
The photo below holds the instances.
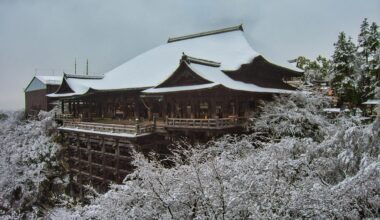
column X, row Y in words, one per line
column 47, row 35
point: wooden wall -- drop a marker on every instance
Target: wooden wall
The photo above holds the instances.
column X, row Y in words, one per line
column 37, row 100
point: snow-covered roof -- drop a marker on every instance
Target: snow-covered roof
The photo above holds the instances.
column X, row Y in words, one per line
column 372, row 102
column 217, row 78
column 226, row 46
column 50, row 80
column 79, row 84
column 153, row 66
column 41, row 82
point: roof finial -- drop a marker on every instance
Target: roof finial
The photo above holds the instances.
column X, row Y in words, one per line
column 87, row 67
column 75, row 66
column 184, row 57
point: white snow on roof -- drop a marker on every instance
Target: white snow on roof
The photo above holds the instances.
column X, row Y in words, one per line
column 79, row 86
column 215, row 75
column 54, row 95
column 149, row 69
column 372, row 102
column 153, row 66
column 50, row 80
column 181, row 88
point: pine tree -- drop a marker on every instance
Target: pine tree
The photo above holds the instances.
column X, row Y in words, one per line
column 363, row 40
column 343, row 79
column 374, row 46
column 362, row 62
column 367, row 60
column 374, row 38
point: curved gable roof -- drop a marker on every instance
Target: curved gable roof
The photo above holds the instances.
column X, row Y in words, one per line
column 150, row 68
column 216, row 77
column 227, row 46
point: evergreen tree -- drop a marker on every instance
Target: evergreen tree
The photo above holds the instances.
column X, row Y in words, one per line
column 315, row 70
column 363, row 40
column 374, row 38
column 362, row 65
column 343, row 70
column 374, row 47
column 367, row 61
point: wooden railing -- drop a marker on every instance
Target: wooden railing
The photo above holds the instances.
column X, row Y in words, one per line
column 112, row 128
column 63, row 117
column 217, row 123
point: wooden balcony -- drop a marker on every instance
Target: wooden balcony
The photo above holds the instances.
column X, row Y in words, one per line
column 210, row 124
column 134, row 129
column 110, row 129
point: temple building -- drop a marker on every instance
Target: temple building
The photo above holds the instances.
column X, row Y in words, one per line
column 211, row 80
column 199, row 86
column 36, row 91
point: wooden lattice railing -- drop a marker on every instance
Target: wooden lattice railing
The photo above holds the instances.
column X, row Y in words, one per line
column 112, row 128
column 63, row 117
column 214, row 123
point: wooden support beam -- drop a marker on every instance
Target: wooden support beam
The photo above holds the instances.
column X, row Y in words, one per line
column 127, row 158
column 212, row 108
column 89, row 157
column 113, row 169
column 103, row 160
column 63, row 106
column 93, row 176
column 117, row 155
column 79, row 174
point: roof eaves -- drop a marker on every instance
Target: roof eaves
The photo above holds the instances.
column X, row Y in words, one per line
column 202, row 34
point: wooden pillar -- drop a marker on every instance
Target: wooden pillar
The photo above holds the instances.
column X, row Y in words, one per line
column 104, row 171
column 193, row 108
column 213, row 107
column 79, row 155
column 88, row 105
column 89, row 157
column 125, row 109
column 117, row 155
column 113, row 107
column 164, row 108
column 136, row 107
column 237, row 105
column 75, row 108
column 173, row 109
column 63, row 106
column 72, row 106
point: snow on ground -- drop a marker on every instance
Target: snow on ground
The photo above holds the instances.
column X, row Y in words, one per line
column 27, row 155
column 296, row 163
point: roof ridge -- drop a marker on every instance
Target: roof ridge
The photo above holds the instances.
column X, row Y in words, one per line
column 206, row 33
column 83, row 76
column 190, row 59
column 48, row 80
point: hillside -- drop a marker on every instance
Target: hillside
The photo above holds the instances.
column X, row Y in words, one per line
column 295, row 164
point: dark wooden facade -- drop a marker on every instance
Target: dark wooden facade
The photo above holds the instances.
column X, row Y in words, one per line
column 37, row 100
column 112, row 105
column 216, row 102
